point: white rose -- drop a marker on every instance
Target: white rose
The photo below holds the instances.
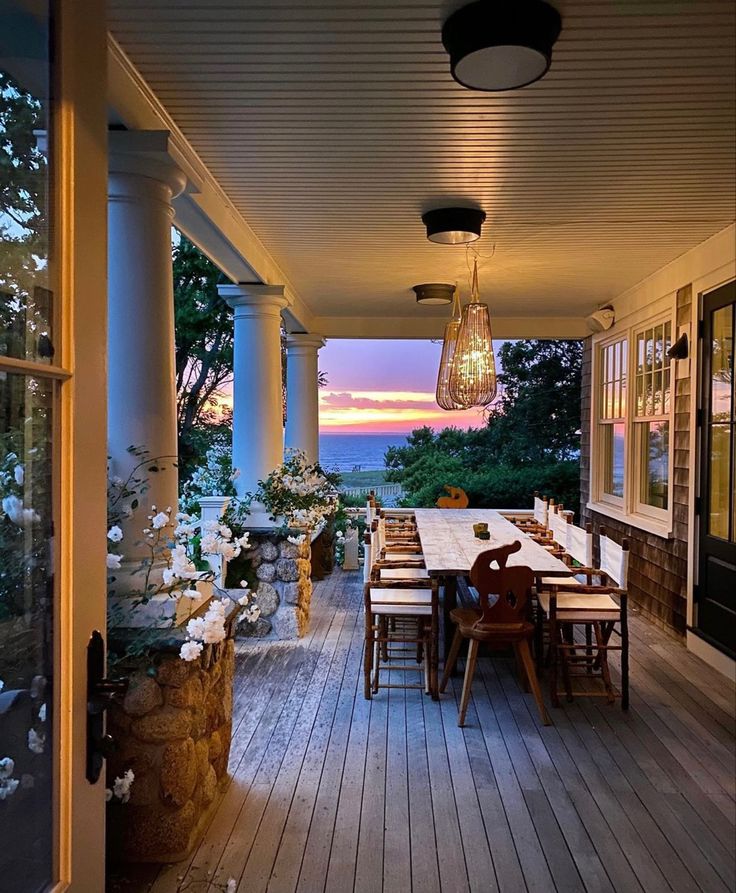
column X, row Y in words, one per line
column 113, row 561
column 19, row 475
column 115, row 534
column 190, row 651
column 36, row 741
column 160, row 520
column 195, row 628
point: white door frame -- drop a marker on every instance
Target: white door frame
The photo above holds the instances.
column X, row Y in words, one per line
column 81, row 221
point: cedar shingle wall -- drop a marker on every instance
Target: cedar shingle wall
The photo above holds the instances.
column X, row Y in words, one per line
column 658, row 566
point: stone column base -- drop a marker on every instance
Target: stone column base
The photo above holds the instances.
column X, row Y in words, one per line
column 173, row 730
column 279, row 572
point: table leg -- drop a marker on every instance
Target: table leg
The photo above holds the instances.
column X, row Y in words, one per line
column 449, row 601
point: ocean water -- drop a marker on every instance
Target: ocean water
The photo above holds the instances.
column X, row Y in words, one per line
column 364, row 452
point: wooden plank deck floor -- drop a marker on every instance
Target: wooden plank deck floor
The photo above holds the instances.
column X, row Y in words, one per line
column 330, row 792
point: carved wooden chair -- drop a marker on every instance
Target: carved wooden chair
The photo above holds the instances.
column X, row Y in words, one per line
column 499, row 621
column 457, row 499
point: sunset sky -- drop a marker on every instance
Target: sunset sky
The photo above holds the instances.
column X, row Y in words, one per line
column 383, row 387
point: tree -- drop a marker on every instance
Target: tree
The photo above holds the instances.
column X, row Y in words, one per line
column 530, row 441
column 23, row 224
column 204, row 351
column 538, row 416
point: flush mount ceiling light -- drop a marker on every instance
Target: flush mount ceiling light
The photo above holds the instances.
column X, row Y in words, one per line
column 453, row 226
column 501, row 45
column 434, row 293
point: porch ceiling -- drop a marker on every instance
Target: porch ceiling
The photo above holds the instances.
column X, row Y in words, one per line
column 332, row 125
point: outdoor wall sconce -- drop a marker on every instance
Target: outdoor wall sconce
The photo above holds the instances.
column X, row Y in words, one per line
column 501, row 45
column 434, row 293
column 454, row 226
column 680, row 349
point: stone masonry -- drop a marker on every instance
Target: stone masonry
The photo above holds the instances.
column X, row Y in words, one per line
column 283, row 587
column 173, row 730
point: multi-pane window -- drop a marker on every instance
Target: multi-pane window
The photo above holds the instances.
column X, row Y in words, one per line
column 612, row 418
column 631, row 439
column 652, row 414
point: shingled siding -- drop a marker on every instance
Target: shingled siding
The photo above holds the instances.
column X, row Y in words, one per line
column 658, row 566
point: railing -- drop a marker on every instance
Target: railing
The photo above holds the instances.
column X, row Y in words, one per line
column 387, row 493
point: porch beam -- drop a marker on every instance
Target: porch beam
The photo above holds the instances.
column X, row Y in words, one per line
column 425, row 327
column 203, row 211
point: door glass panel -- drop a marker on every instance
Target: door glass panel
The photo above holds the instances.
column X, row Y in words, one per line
column 26, row 305
column 722, row 365
column 26, row 631
column 720, row 480
column 26, row 428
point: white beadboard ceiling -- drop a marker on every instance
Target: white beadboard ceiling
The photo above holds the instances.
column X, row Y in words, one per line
column 332, row 125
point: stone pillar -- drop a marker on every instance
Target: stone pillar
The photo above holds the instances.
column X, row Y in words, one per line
column 258, row 434
column 141, row 381
column 302, row 397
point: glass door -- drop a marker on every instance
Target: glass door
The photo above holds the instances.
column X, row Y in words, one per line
column 42, row 646
column 716, row 591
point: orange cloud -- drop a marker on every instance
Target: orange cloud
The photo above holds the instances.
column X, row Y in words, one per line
column 387, row 411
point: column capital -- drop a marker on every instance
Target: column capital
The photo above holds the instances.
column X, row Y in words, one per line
column 145, row 153
column 304, row 341
column 251, row 299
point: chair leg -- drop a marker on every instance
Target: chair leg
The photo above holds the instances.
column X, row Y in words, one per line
column 589, row 647
column 523, row 677
column 624, row 653
column 451, row 659
column 539, row 638
column 601, row 642
column 553, row 661
column 526, row 657
column 434, row 651
column 368, row 656
column 468, row 680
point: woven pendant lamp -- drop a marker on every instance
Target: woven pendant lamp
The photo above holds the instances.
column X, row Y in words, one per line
column 473, row 376
column 444, row 400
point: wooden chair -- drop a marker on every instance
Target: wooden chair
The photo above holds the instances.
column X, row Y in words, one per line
column 396, row 561
column 537, row 522
column 499, row 623
column 401, row 633
column 457, row 499
column 600, row 605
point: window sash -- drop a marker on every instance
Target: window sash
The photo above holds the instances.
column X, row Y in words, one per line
column 638, row 355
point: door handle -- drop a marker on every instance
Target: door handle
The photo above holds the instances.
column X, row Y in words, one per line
column 101, row 692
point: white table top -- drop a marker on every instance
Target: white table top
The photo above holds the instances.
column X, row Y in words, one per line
column 450, row 546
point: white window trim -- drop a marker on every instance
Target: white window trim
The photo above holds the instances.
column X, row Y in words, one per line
column 629, row 510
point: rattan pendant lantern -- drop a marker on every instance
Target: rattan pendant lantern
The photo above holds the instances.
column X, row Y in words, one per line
column 444, row 400
column 472, row 379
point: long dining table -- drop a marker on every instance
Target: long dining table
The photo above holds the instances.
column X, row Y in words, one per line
column 450, row 548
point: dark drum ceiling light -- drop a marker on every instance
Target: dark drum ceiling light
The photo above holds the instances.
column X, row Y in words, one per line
column 434, row 293
column 501, row 45
column 453, row 226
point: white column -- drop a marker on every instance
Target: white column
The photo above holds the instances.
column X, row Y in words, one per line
column 258, row 433
column 141, row 383
column 302, row 395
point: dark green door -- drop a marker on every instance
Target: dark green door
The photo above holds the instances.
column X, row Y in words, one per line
column 716, row 592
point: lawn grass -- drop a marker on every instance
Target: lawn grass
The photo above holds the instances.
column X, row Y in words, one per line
column 363, row 478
